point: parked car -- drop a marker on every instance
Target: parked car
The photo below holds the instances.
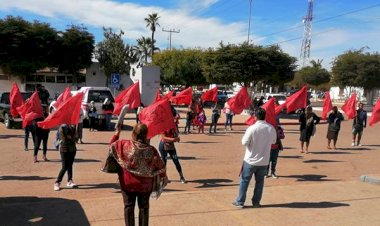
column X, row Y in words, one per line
column 279, row 97
column 96, row 94
column 5, row 115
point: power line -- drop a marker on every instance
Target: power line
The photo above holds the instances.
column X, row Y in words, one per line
column 170, row 35
column 318, row 21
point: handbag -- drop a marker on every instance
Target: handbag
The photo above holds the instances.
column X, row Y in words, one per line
column 169, row 146
column 111, row 165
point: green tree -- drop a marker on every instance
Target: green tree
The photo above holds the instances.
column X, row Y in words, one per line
column 315, row 75
column 359, row 69
column 181, row 66
column 113, row 54
column 26, row 47
column 152, row 23
column 246, row 63
column 77, row 46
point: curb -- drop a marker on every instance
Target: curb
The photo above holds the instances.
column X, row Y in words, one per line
column 370, row 179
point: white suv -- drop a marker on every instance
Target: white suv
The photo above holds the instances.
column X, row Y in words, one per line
column 96, row 94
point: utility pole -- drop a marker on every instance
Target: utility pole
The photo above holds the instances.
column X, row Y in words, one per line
column 306, row 42
column 170, row 35
column 249, row 20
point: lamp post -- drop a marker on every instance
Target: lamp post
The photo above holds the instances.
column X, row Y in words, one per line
column 249, row 21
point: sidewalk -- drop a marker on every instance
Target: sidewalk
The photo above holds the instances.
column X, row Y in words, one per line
column 350, row 202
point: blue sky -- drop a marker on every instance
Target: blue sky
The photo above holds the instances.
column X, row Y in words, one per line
column 339, row 25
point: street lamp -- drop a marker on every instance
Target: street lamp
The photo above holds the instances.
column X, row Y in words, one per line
column 249, row 21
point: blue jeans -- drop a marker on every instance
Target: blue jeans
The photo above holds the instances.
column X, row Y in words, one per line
column 245, row 178
column 108, row 121
column 28, row 129
column 228, row 120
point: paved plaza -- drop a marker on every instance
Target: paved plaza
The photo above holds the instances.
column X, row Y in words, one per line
column 320, row 188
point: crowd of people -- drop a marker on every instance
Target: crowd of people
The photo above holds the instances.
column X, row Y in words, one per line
column 142, row 168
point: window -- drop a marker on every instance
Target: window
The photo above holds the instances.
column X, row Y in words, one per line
column 61, row 79
column 39, row 78
column 99, row 96
column 69, row 79
column 50, row 79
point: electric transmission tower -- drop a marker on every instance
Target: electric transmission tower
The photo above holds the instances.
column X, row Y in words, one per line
column 306, row 42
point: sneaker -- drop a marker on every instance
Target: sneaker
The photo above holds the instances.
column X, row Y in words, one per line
column 353, row 144
column 183, row 181
column 71, row 184
column 274, row 176
column 359, row 145
column 238, row 205
column 56, row 186
column 267, row 176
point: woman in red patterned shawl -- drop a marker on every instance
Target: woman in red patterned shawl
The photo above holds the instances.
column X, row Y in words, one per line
column 140, row 165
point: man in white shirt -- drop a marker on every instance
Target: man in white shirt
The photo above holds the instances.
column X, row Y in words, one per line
column 257, row 140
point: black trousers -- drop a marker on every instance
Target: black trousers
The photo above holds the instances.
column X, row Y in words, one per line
column 129, row 199
column 41, row 136
column 67, row 165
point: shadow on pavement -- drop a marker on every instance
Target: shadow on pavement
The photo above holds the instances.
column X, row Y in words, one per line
column 291, row 157
column 99, row 186
column 104, row 143
column 199, row 142
column 309, row 177
column 330, row 152
column 286, row 148
column 25, row 178
column 212, row 183
column 302, row 205
column 187, row 158
column 86, row 160
column 32, row 210
column 356, row 149
column 11, row 136
column 320, row 161
column 372, row 145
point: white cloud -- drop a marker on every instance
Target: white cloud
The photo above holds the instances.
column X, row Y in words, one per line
column 194, row 31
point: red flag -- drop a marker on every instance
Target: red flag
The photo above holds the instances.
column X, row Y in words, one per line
column 169, row 95
column 297, row 100
column 375, row 117
column 158, row 96
column 30, row 110
column 279, row 108
column 15, row 99
column 240, row 101
column 349, row 107
column 210, row 95
column 327, row 105
column 67, row 113
column 270, row 113
column 183, row 97
column 157, row 117
column 129, row 96
column 63, row 97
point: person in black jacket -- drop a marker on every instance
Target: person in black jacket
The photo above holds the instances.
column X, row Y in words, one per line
column 334, row 120
column 41, row 135
column 308, row 121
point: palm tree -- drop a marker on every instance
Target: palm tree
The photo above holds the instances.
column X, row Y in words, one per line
column 152, row 23
column 144, row 49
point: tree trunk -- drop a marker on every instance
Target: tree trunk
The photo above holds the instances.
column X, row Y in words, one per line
column 152, row 44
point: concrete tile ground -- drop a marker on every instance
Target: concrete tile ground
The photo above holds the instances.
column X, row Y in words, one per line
column 321, row 188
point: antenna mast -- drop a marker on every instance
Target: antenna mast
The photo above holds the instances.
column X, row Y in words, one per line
column 306, row 42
